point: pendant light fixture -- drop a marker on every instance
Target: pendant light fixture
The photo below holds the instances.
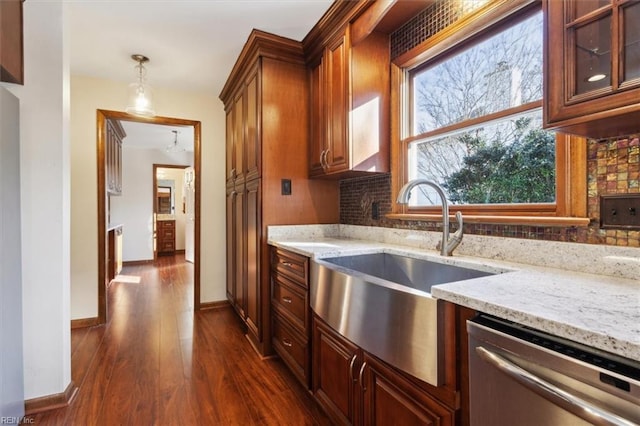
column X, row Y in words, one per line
column 140, row 93
column 174, row 147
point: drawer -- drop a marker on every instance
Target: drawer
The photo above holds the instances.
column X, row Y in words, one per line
column 166, row 224
column 291, row 301
column 292, row 348
column 167, row 233
column 292, row 265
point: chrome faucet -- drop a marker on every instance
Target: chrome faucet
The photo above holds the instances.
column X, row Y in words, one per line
column 446, row 245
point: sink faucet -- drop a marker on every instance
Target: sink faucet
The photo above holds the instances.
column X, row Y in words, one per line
column 446, row 245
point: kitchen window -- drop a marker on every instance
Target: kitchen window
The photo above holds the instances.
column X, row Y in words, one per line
column 471, row 115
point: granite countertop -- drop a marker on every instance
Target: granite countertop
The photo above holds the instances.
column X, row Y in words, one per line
column 601, row 311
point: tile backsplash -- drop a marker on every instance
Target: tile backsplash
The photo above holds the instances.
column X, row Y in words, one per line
column 613, row 168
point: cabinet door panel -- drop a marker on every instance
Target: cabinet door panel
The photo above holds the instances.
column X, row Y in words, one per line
column 337, row 103
column 231, row 244
column 631, row 42
column 334, row 362
column 230, row 148
column 238, row 138
column 389, row 399
column 239, row 282
column 252, row 122
column 253, row 301
column 317, row 131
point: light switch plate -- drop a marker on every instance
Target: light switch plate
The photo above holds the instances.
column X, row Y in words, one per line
column 285, row 187
column 620, row 211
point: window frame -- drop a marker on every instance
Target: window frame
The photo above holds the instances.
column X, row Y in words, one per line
column 570, row 206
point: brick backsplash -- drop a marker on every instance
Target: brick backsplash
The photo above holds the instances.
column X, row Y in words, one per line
column 613, row 168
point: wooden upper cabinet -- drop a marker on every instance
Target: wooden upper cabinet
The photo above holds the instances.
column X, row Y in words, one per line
column 11, row 45
column 592, row 75
column 350, row 88
column 113, row 157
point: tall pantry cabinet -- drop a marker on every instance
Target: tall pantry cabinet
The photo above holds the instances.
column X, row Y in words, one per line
column 266, row 100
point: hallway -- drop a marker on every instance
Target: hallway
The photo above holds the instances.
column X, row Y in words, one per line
column 157, row 363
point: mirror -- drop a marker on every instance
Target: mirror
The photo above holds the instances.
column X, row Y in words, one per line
column 165, row 196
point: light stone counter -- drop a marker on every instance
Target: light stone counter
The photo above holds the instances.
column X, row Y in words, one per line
column 540, row 284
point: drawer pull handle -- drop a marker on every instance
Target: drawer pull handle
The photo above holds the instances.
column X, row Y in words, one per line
column 286, row 299
column 360, row 378
column 287, row 343
column 288, row 264
column 353, row 361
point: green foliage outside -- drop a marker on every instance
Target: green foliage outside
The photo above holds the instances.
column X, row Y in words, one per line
column 520, row 169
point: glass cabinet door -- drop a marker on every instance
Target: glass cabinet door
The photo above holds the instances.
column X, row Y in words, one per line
column 593, row 55
column 631, row 41
column 589, row 26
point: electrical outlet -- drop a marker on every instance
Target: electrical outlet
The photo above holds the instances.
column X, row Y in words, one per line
column 620, row 211
column 375, row 210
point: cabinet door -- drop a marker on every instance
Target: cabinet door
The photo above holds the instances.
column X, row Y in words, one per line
column 230, row 148
column 231, row 244
column 317, row 128
column 335, row 361
column 238, row 138
column 390, row 399
column 337, row 103
column 252, row 117
column 239, row 281
column 592, row 71
column 252, row 235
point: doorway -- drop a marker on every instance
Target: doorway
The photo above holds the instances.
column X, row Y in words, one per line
column 173, row 210
column 103, row 116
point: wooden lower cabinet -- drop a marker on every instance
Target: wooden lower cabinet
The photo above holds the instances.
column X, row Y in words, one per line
column 291, row 312
column 354, row 387
column 166, row 241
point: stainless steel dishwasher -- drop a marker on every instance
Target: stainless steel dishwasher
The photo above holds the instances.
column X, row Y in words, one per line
column 522, row 377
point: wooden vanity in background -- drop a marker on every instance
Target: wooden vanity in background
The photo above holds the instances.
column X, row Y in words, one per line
column 114, row 252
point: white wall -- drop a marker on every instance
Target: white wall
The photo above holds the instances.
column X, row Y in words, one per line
column 134, row 208
column 45, row 213
column 88, row 95
column 11, row 367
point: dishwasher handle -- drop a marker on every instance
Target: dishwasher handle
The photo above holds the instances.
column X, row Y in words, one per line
column 562, row 398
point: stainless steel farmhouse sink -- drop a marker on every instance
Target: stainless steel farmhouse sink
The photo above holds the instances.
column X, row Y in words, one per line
column 382, row 302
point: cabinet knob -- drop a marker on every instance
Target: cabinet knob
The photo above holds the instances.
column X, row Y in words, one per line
column 287, row 342
column 287, row 264
column 286, row 299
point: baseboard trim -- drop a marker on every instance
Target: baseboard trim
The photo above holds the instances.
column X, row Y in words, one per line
column 136, row 262
column 51, row 402
column 179, row 251
column 221, row 304
column 84, row 322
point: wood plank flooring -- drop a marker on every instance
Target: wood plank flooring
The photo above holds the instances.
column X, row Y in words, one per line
column 156, row 363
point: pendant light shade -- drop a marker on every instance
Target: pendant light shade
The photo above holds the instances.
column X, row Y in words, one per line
column 140, row 93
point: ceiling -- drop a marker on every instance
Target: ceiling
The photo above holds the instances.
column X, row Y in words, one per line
column 192, row 44
column 157, row 136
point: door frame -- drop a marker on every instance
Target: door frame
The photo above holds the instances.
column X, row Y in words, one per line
column 102, row 117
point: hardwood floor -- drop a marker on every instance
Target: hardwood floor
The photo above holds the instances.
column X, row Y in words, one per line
column 155, row 362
